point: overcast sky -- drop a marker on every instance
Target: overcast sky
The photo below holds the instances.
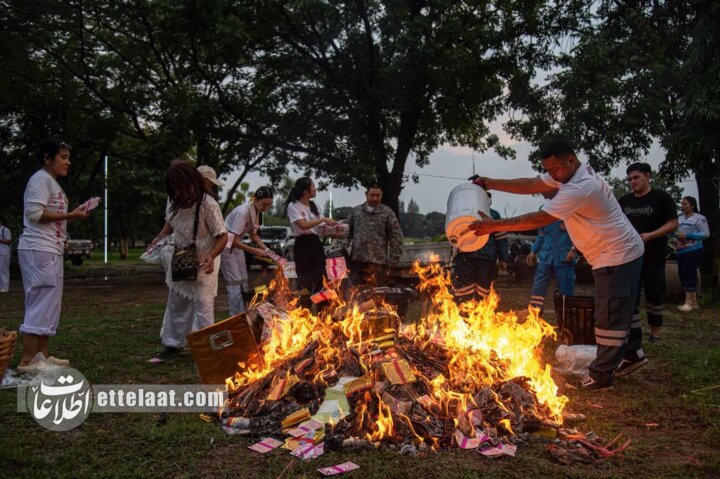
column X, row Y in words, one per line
column 450, row 166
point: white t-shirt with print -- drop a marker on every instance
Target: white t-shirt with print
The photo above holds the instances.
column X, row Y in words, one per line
column 298, row 211
column 45, row 191
column 594, row 219
column 242, row 220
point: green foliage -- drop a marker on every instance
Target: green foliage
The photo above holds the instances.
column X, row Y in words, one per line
column 413, row 207
column 348, row 91
column 620, row 187
column 638, row 72
column 240, row 197
column 434, row 224
column 272, row 220
column 366, row 85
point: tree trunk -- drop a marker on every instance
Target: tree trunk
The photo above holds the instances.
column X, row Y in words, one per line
column 709, row 202
column 124, row 247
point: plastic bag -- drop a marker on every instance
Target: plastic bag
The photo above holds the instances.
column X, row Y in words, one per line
column 575, row 359
column 151, row 256
column 154, row 255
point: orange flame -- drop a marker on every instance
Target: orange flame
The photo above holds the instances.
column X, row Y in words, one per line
column 484, row 347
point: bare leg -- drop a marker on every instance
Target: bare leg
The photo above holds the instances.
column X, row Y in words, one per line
column 689, row 298
column 32, row 344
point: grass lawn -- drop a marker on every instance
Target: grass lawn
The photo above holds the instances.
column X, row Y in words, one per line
column 109, row 329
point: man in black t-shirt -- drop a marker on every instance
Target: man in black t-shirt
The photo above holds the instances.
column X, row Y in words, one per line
column 654, row 215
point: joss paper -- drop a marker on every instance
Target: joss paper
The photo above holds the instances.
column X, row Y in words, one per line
column 324, row 295
column 396, row 406
column 398, row 371
column 338, row 469
column 362, row 383
column 336, row 268
column 309, row 451
column 500, row 450
column 91, row 204
column 305, row 428
column 295, row 418
column 266, row 445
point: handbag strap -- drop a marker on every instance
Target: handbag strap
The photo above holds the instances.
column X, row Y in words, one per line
column 197, row 219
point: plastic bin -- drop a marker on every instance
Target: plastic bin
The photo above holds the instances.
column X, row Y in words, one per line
column 575, row 318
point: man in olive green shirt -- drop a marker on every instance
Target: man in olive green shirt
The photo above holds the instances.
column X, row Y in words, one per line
column 376, row 239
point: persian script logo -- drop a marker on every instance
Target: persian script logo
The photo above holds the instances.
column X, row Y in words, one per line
column 61, row 401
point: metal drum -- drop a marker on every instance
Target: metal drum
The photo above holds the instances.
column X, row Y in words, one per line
column 463, row 205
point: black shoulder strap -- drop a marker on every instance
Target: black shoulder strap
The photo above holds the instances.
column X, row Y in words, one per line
column 197, row 218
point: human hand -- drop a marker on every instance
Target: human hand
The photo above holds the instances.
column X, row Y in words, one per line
column 680, row 235
column 503, row 265
column 78, row 213
column 531, row 259
column 206, row 263
column 570, row 256
column 646, row 237
column 482, row 181
column 329, row 221
column 484, row 226
column 261, row 253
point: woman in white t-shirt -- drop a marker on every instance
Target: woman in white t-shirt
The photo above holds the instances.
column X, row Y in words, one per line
column 190, row 301
column 40, row 251
column 242, row 220
column 304, row 219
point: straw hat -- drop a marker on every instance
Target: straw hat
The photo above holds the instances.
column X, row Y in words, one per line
column 209, row 173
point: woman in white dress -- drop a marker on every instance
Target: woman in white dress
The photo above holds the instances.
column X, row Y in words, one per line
column 242, row 220
column 189, row 300
column 40, row 252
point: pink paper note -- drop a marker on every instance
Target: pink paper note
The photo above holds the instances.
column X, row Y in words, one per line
column 339, row 469
column 305, row 427
column 309, row 451
column 336, row 268
column 266, row 445
column 324, row 295
column 230, row 239
column 500, row 450
column 465, row 442
column 91, row 204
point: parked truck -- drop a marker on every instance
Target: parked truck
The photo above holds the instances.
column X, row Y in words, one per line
column 78, row 250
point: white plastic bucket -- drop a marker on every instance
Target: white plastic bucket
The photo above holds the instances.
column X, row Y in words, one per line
column 463, row 205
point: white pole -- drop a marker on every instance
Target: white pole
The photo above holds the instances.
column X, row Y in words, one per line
column 106, row 211
column 331, row 206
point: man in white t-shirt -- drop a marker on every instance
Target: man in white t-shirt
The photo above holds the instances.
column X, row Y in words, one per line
column 598, row 228
column 5, row 241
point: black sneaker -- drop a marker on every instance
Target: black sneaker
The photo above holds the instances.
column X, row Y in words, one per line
column 654, row 339
column 587, row 383
column 629, row 365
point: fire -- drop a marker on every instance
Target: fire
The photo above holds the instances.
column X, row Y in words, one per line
column 458, row 355
column 476, row 333
column 382, row 427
